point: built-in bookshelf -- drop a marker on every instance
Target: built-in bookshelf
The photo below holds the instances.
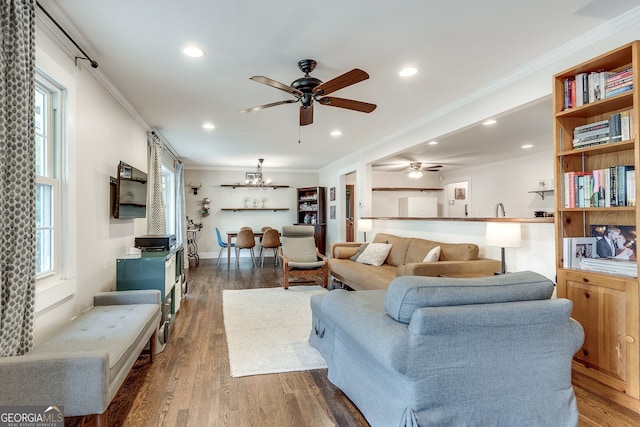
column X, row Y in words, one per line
column 311, row 210
column 596, row 168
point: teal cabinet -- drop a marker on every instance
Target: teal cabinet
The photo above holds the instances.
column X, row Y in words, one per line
column 157, row 270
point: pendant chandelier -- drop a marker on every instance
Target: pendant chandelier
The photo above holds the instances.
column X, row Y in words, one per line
column 255, row 180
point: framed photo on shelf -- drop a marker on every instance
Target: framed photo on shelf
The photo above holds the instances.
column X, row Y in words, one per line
column 611, row 238
column 332, row 194
column 578, row 248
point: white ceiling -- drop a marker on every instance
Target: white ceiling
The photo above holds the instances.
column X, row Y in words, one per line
column 459, row 47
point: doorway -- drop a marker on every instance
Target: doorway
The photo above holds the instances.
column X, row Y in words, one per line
column 457, row 200
column 350, row 197
column 349, row 219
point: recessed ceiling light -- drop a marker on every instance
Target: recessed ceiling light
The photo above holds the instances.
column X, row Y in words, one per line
column 208, row 126
column 433, row 143
column 490, row 122
column 193, row 51
column 527, row 146
column 408, row 72
column 336, row 133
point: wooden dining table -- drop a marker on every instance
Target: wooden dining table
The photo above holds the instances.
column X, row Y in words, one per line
column 230, row 236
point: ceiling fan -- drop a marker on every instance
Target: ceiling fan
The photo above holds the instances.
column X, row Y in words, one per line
column 415, row 169
column 308, row 89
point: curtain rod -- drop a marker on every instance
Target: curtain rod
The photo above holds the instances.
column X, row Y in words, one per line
column 167, row 146
column 86, row 57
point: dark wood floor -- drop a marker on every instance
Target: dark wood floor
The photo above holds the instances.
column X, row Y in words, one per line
column 189, row 383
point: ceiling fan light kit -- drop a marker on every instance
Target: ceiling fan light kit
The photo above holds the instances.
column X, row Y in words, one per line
column 415, row 170
column 308, row 89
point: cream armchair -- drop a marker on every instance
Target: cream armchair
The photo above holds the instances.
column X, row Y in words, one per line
column 300, row 257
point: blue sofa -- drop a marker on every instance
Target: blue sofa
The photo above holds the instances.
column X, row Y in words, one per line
column 432, row 351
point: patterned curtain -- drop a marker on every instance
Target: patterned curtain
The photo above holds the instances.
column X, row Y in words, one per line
column 157, row 223
column 17, row 176
column 181, row 213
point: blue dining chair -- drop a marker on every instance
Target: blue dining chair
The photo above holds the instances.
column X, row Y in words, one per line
column 223, row 245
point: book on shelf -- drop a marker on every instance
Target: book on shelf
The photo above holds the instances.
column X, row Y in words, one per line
column 618, row 90
column 618, row 127
column 610, row 265
column 613, row 186
column 585, row 88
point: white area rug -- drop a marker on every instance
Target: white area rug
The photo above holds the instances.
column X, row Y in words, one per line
column 267, row 330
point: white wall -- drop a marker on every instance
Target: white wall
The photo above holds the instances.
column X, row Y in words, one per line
column 101, row 133
column 509, row 183
column 227, row 197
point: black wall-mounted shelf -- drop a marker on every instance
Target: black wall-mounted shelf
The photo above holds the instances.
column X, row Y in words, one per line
column 541, row 192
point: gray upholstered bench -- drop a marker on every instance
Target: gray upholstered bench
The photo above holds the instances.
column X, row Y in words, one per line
column 83, row 365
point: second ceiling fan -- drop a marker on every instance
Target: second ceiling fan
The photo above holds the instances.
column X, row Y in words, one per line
column 308, row 89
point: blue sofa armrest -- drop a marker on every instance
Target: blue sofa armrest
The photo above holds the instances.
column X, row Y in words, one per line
column 365, row 325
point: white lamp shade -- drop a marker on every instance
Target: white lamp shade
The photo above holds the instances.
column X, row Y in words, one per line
column 365, row 225
column 504, row 234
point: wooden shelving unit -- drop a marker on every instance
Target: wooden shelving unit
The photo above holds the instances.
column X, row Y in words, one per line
column 311, row 210
column 606, row 305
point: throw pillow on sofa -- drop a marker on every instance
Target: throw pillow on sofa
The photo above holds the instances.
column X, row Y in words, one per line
column 375, row 254
column 433, row 255
column 359, row 252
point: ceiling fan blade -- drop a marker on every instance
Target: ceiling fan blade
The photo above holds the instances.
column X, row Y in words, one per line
column 349, row 104
column 434, row 168
column 270, row 82
column 306, row 115
column 347, row 79
column 273, row 104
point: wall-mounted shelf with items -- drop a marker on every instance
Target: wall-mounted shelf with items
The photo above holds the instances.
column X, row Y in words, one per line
column 254, row 209
column 234, row 186
column 540, row 192
column 596, row 168
column 405, row 189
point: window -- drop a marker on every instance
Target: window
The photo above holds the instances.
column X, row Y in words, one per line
column 169, row 187
column 49, row 148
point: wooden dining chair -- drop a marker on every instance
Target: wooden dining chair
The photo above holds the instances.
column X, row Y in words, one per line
column 270, row 240
column 245, row 240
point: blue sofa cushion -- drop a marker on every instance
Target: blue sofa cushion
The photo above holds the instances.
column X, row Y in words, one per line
column 408, row 293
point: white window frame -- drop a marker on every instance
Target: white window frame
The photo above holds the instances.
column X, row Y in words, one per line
column 55, row 176
column 169, row 189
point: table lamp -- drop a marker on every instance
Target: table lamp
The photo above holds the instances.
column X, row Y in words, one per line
column 365, row 225
column 503, row 235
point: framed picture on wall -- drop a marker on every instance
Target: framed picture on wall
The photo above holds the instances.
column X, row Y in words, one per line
column 459, row 193
column 332, row 212
column 250, row 176
column 332, row 194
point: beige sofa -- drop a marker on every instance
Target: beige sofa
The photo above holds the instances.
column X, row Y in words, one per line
column 405, row 258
